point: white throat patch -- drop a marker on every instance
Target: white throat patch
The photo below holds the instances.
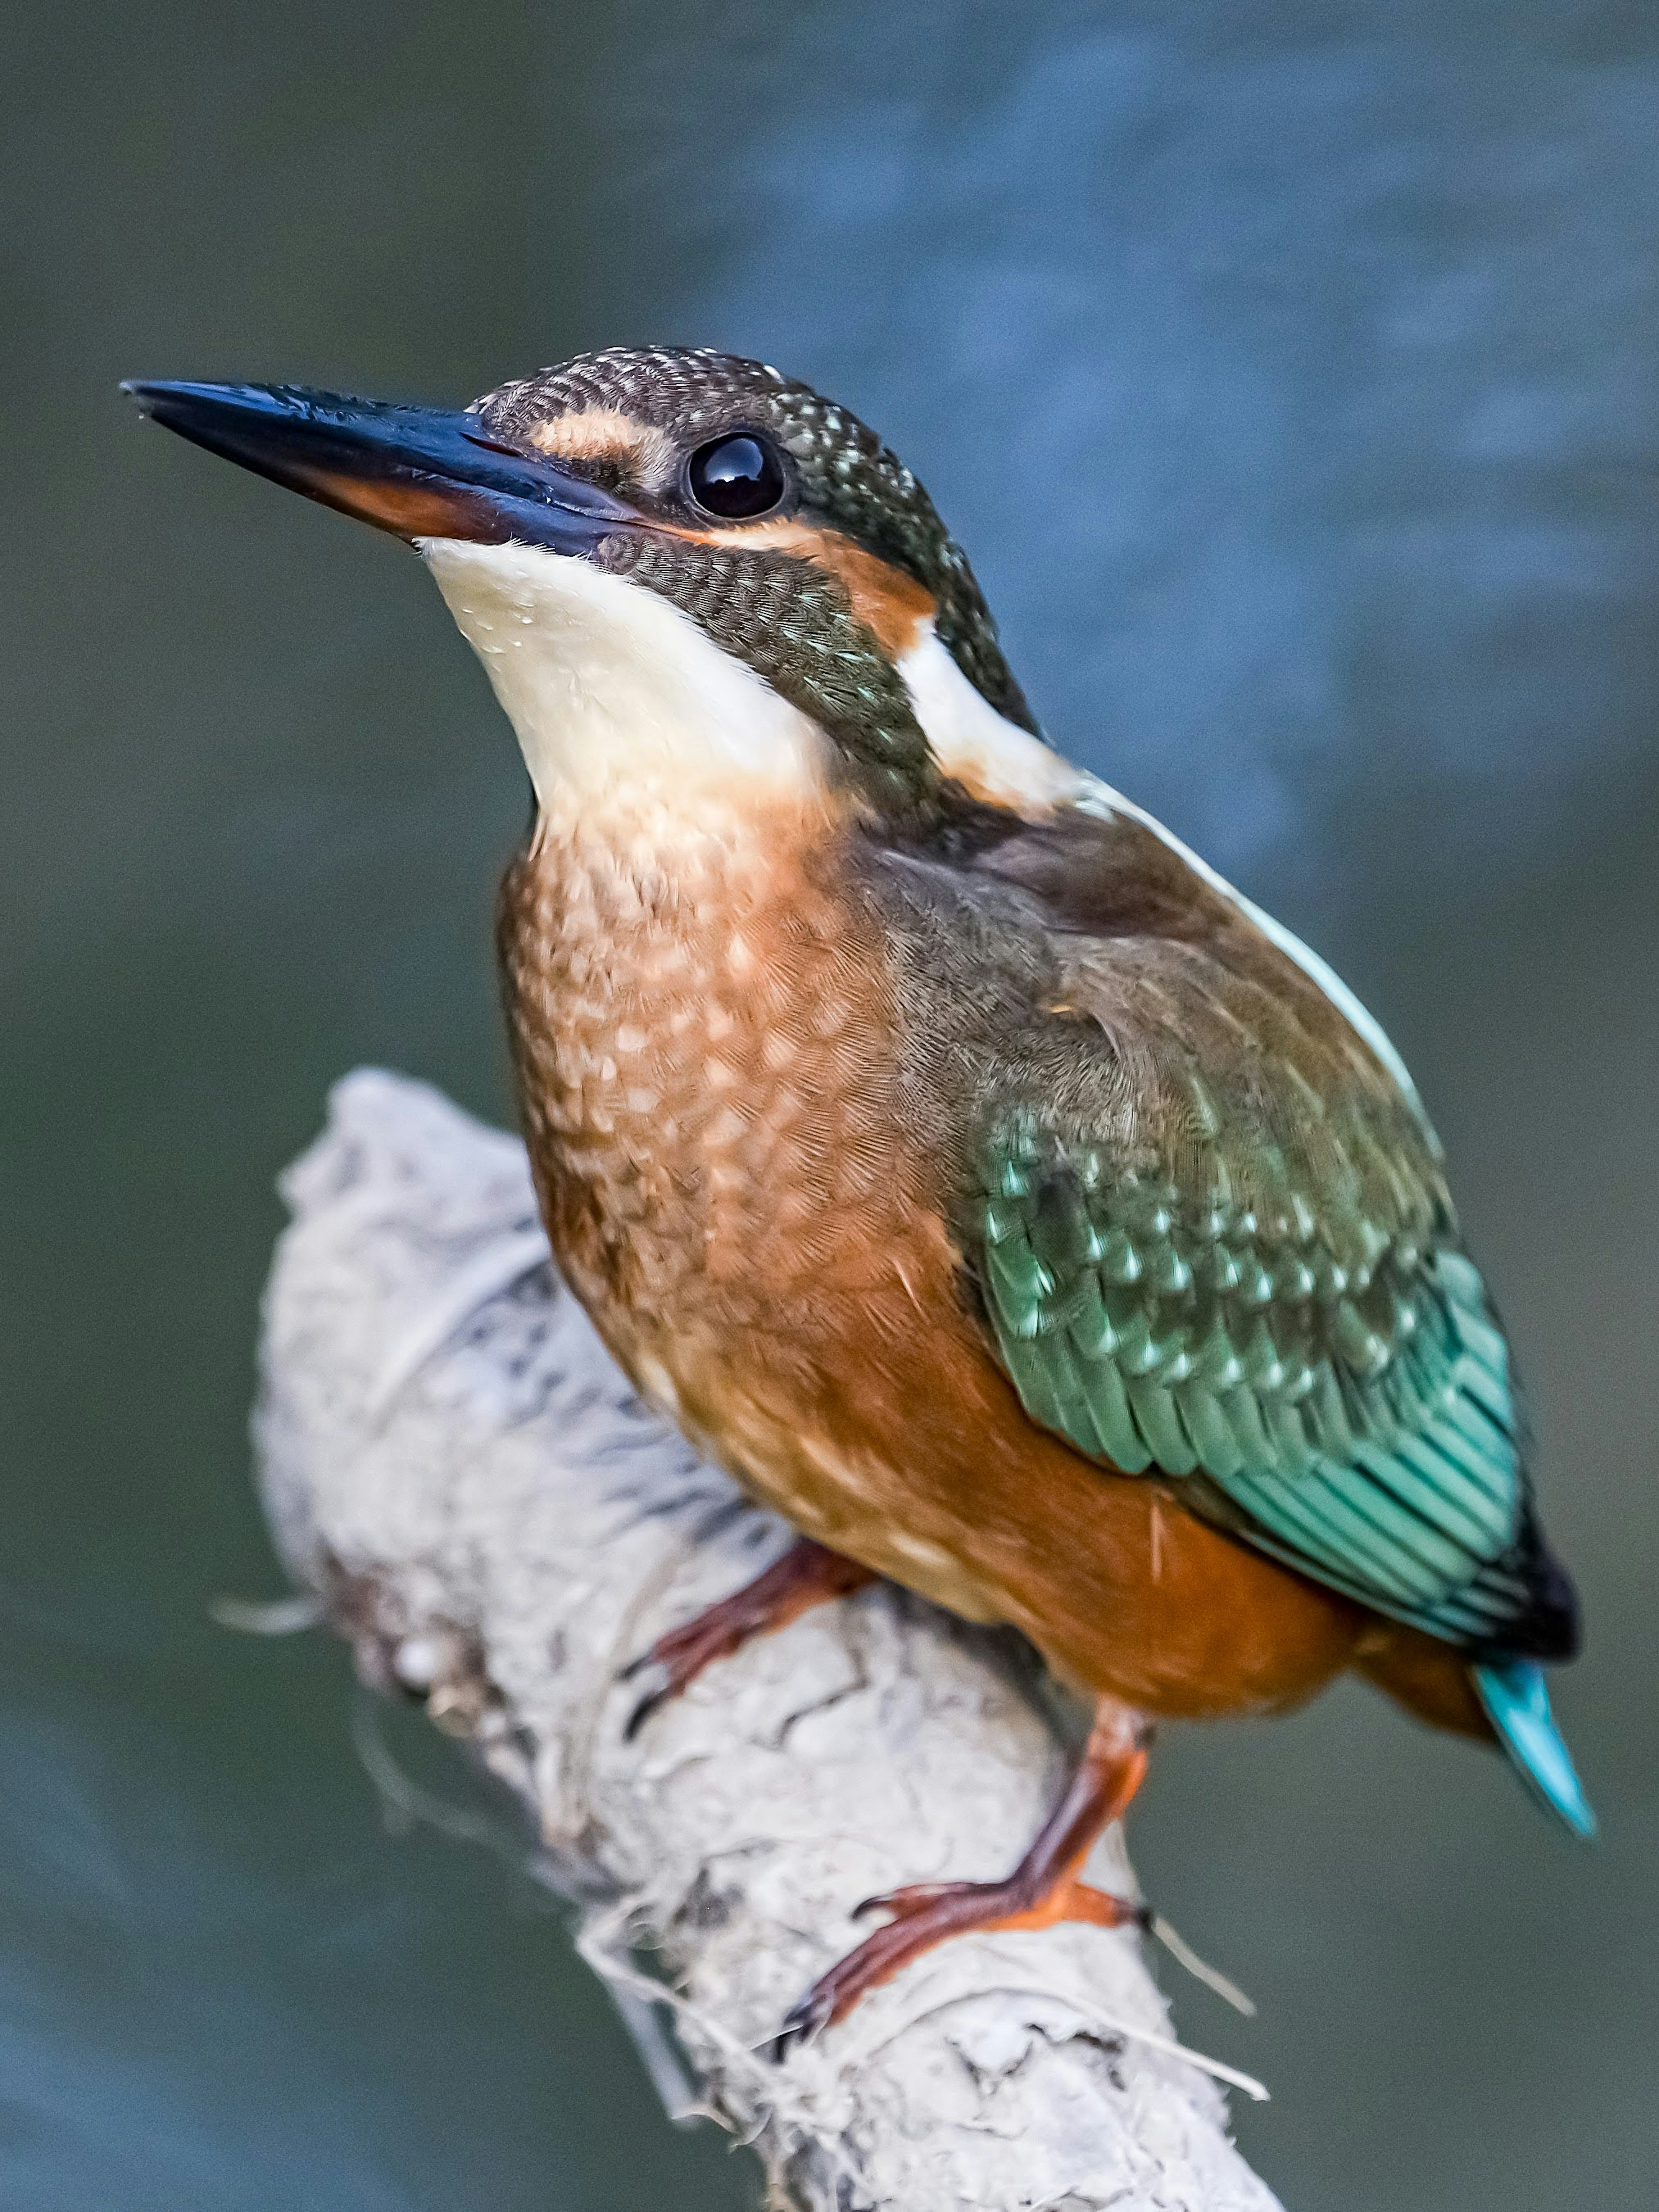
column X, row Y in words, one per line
column 612, row 689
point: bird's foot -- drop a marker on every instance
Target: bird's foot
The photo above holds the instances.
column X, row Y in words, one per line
column 805, row 1576
column 1042, row 1890
column 929, row 1912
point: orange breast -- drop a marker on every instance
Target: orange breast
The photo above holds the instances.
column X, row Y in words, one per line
column 704, row 1040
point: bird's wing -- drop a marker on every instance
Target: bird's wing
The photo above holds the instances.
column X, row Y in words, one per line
column 1210, row 1231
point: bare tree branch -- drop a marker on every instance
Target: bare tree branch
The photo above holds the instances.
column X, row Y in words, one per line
column 452, row 1462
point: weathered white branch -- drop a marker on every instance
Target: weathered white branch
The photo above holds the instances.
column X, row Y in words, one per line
column 452, row 1461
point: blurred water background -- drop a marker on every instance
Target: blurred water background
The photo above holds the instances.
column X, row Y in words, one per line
column 1289, row 371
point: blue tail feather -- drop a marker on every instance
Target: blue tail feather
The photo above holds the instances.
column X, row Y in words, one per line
column 1518, row 1706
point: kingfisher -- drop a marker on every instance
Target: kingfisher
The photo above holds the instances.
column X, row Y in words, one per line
column 999, row 1195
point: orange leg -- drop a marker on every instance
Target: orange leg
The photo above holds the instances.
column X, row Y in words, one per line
column 1042, row 1889
column 808, row 1574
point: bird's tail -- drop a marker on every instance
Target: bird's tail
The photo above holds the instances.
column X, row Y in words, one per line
column 1518, row 1706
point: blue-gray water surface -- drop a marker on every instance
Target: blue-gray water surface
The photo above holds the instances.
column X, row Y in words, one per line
column 1289, row 371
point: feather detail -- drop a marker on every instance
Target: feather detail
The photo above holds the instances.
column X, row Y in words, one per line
column 1211, row 1227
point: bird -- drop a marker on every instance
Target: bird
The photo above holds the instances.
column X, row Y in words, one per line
column 957, row 1158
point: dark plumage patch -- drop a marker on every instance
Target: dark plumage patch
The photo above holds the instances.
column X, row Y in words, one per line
column 1085, row 874
column 1548, row 1627
column 795, row 627
column 1107, row 877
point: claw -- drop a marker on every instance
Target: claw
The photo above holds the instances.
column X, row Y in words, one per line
column 803, row 2023
column 901, row 1903
column 647, row 1705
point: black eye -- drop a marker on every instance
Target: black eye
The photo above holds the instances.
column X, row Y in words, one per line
column 738, row 477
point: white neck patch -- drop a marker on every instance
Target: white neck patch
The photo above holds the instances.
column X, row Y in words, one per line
column 612, row 689
column 995, row 758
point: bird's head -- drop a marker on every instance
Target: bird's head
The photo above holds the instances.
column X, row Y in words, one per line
column 681, row 569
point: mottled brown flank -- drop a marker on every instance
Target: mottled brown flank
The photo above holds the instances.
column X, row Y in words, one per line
column 738, row 1188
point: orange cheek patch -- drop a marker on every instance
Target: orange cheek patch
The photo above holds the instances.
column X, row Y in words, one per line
column 885, row 598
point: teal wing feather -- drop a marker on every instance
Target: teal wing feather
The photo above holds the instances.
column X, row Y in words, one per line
column 1357, row 1415
column 1211, row 1231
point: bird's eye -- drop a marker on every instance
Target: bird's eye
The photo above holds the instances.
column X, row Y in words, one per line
column 736, row 478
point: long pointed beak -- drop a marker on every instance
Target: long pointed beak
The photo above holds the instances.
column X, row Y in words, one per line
column 417, row 472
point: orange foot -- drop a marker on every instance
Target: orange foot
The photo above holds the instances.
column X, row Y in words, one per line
column 1042, row 1890
column 806, row 1575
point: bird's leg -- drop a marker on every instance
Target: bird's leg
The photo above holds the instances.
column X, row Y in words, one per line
column 806, row 1575
column 1043, row 1888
